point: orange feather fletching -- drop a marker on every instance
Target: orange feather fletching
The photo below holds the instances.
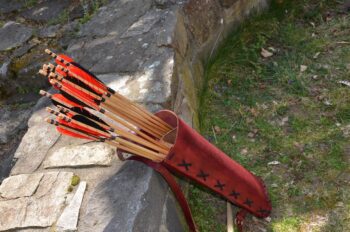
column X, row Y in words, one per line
column 71, row 133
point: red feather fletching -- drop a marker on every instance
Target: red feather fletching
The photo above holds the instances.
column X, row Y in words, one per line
column 78, row 127
column 78, row 91
column 71, row 133
column 79, row 72
column 64, row 101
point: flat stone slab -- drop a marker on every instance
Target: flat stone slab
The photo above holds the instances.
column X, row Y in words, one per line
column 11, row 121
column 144, row 24
column 50, row 31
column 7, row 6
column 47, row 10
column 13, row 34
column 34, row 147
column 42, row 208
column 20, row 186
column 91, row 154
column 69, row 218
column 133, row 199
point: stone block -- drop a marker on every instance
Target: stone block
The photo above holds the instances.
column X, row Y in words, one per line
column 20, row 185
column 42, row 208
column 84, row 155
column 13, row 34
column 69, row 218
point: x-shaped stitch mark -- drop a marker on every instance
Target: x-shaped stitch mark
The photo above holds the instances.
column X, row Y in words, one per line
column 219, row 185
column 262, row 211
column 185, row 165
column 235, row 194
column 202, row 175
column 248, row 202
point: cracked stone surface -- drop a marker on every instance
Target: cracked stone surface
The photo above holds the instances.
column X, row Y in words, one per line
column 42, row 207
column 34, row 147
column 20, row 185
column 144, row 24
column 46, row 10
column 11, row 121
column 69, row 218
column 104, row 212
column 13, row 34
column 91, row 154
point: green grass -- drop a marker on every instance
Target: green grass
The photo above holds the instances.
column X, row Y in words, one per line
column 63, row 17
column 94, row 6
column 30, row 3
column 268, row 110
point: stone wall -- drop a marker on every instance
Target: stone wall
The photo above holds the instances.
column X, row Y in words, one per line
column 201, row 27
column 152, row 51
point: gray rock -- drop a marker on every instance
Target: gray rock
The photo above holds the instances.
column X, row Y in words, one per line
column 85, row 155
column 8, row 6
column 100, row 54
column 144, row 24
column 227, row 3
column 48, row 10
column 117, row 205
column 41, row 209
column 34, row 147
column 124, row 13
column 69, row 218
column 49, row 32
column 4, row 68
column 13, row 34
column 22, row 50
column 203, row 25
column 12, row 121
column 164, row 3
column 39, row 112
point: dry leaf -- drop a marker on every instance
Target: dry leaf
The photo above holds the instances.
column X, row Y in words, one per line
column 342, row 42
column 217, row 129
column 316, row 55
column 347, row 83
column 244, row 151
column 283, row 121
column 303, row 68
column 229, row 82
column 272, row 49
column 254, row 112
column 327, row 102
column 251, row 135
column 265, row 53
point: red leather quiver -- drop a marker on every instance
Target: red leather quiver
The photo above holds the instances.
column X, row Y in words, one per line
column 194, row 157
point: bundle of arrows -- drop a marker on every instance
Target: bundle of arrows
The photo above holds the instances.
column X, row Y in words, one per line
column 86, row 108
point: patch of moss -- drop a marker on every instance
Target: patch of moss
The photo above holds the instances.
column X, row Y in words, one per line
column 70, row 189
column 75, row 180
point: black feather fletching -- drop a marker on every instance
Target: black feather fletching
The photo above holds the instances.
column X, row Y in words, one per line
column 92, row 75
column 88, row 114
column 87, row 121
